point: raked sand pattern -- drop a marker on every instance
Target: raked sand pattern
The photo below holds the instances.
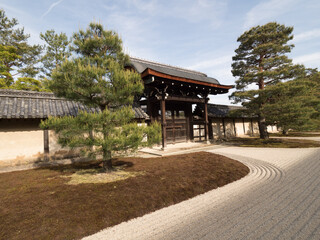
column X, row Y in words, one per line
column 278, row 199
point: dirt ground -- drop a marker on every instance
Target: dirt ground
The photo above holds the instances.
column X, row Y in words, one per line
column 40, row 203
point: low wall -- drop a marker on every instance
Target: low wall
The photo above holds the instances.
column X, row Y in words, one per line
column 22, row 142
column 239, row 127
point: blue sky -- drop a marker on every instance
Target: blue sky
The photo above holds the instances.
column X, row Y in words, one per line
column 199, row 34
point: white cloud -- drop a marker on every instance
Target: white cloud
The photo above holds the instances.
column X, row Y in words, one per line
column 315, row 33
column 134, row 31
column 222, row 99
column 217, row 67
column 309, row 59
column 12, row 9
column 212, row 62
column 268, row 11
column 146, row 6
column 212, row 11
column 50, row 8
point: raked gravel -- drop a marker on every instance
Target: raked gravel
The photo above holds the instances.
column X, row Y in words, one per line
column 278, row 199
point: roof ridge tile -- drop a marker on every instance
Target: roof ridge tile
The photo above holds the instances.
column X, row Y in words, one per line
column 169, row 66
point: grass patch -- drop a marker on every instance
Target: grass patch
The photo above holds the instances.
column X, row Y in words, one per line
column 295, row 134
column 273, row 143
column 97, row 176
column 40, row 203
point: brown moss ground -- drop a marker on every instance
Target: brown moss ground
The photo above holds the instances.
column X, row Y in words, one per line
column 38, row 204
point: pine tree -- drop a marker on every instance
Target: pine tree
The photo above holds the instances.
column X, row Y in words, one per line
column 56, row 51
column 261, row 60
column 293, row 104
column 29, row 84
column 7, row 54
column 97, row 78
column 13, row 40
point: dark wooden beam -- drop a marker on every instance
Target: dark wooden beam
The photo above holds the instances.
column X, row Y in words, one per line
column 189, row 120
column 46, row 141
column 252, row 127
column 163, row 121
column 206, row 119
column 149, row 110
column 174, row 98
column 210, row 129
column 234, row 127
column 224, row 127
column 244, row 127
column 185, row 99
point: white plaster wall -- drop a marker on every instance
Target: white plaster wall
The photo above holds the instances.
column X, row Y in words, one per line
column 247, row 126
column 217, row 128
column 22, row 142
column 53, row 142
column 255, row 128
column 229, row 128
column 243, row 128
column 239, row 127
column 21, row 145
column 272, row 129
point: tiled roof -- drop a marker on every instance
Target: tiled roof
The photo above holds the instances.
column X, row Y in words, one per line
column 29, row 104
column 140, row 65
column 216, row 110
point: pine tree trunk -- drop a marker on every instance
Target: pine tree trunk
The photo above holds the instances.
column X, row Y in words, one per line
column 107, row 161
column 263, row 128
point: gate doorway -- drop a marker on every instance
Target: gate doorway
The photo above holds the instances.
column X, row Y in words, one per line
column 176, row 128
column 199, row 132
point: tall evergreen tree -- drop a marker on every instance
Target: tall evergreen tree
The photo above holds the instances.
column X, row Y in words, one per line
column 24, row 62
column 292, row 104
column 7, row 54
column 97, row 78
column 261, row 60
column 56, row 51
column 29, row 84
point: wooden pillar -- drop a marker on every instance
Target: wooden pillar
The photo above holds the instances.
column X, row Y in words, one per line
column 244, row 127
column 46, row 142
column 163, row 121
column 206, row 118
column 173, row 127
column 252, row 127
column 188, row 112
column 224, row 127
column 234, row 127
column 150, row 107
column 210, row 129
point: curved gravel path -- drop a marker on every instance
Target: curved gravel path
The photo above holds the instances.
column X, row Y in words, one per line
column 278, row 199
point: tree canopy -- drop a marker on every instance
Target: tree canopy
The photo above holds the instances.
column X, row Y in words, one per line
column 293, row 104
column 97, row 77
column 17, row 57
column 261, row 60
column 23, row 57
column 56, row 51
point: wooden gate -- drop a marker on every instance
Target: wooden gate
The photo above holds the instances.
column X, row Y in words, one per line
column 176, row 126
column 199, row 132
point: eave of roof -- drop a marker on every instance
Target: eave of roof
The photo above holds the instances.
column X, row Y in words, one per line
column 152, row 72
column 175, row 73
column 19, row 104
column 222, row 111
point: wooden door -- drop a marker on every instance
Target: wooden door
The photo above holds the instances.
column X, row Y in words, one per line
column 199, row 132
column 176, row 126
